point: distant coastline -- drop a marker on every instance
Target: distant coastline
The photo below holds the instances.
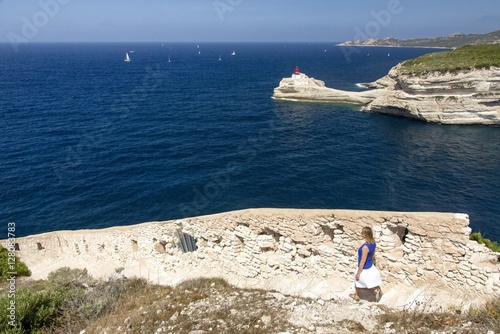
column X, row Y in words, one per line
column 400, row 46
column 448, row 42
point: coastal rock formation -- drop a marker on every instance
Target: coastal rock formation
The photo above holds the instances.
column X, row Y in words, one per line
column 300, row 87
column 466, row 97
column 425, row 258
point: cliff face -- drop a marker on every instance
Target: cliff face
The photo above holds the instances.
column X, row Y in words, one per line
column 423, row 257
column 467, row 97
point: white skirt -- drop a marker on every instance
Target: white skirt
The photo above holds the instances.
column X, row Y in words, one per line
column 369, row 278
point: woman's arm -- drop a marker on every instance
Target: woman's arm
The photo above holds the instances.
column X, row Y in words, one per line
column 364, row 256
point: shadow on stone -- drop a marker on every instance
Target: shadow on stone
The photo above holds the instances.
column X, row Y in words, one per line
column 371, row 295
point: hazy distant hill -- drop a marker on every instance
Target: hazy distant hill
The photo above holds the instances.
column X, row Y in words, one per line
column 452, row 41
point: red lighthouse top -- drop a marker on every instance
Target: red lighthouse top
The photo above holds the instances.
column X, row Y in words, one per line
column 296, row 70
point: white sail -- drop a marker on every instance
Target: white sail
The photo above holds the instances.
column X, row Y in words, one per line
column 233, row 53
column 127, row 58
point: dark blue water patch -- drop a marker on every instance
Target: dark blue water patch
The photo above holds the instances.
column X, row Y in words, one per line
column 89, row 141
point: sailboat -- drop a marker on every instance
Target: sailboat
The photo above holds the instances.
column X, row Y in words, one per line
column 220, row 58
column 169, row 59
column 127, row 58
column 233, row 53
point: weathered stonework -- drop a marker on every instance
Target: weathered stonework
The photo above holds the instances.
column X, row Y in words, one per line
column 306, row 252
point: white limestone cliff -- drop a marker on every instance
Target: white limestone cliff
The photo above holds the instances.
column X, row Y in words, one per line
column 309, row 253
column 467, row 97
column 301, row 87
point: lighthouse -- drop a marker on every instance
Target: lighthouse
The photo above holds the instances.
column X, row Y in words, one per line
column 297, row 75
column 299, row 79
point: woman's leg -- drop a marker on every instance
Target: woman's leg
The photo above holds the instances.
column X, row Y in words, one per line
column 355, row 295
column 377, row 293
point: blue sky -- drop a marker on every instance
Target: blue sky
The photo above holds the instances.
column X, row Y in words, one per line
column 241, row 20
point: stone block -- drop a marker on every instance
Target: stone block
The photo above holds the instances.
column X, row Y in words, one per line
column 477, row 279
column 430, row 266
column 266, row 241
column 303, row 252
column 386, row 232
column 394, row 255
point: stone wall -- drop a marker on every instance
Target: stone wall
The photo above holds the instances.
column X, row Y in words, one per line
column 422, row 256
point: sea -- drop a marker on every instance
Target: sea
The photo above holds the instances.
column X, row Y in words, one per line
column 90, row 141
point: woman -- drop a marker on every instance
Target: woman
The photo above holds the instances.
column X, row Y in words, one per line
column 367, row 275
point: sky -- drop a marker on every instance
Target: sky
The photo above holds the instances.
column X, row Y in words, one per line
column 23, row 21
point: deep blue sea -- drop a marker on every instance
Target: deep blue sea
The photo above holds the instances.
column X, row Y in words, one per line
column 90, row 141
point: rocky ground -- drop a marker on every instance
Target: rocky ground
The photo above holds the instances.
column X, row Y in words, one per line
column 218, row 308
column 250, row 312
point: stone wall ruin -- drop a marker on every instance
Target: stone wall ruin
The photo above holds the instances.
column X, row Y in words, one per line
column 312, row 253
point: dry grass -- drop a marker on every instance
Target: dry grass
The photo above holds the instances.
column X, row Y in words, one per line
column 476, row 320
column 487, row 316
column 352, row 326
column 87, row 301
column 201, row 304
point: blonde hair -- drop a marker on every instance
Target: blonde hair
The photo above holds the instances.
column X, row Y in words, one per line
column 368, row 234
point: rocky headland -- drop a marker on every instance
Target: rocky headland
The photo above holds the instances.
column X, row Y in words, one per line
column 456, row 87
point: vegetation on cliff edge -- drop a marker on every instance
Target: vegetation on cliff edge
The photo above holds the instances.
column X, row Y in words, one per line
column 464, row 58
column 9, row 264
column 493, row 245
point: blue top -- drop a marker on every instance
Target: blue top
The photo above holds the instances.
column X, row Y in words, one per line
column 369, row 258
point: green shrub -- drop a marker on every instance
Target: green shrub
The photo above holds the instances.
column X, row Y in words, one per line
column 19, row 267
column 84, row 296
column 34, row 311
column 67, row 299
column 493, row 245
